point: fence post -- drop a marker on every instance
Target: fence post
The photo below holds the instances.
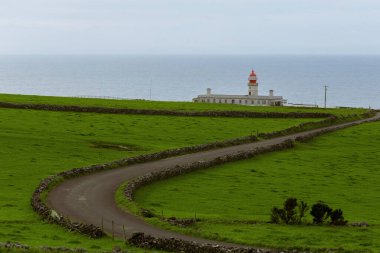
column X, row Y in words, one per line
column 125, row 237
column 113, row 232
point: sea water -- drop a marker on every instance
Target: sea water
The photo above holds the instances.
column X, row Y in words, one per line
column 351, row 80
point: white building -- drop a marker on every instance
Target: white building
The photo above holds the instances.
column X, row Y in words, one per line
column 253, row 97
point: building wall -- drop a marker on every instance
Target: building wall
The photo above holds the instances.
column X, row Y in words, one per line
column 239, row 101
column 253, row 90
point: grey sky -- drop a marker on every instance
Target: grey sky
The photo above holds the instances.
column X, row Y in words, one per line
column 189, row 26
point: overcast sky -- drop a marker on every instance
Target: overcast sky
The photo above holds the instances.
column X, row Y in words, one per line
column 189, row 26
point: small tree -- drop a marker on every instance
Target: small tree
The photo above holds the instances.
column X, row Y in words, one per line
column 321, row 212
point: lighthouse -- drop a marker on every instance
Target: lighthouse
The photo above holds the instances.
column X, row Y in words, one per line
column 253, row 86
column 251, row 99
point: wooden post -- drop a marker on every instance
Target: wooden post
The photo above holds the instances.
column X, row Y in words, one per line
column 113, row 232
column 125, row 237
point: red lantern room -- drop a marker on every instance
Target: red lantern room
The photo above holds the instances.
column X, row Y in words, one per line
column 252, row 79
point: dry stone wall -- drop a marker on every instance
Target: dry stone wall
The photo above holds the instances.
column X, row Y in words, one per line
column 236, row 114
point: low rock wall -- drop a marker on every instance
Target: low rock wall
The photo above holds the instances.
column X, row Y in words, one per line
column 25, row 248
column 51, row 216
column 177, row 245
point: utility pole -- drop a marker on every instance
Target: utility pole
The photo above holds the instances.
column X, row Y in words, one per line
column 325, row 94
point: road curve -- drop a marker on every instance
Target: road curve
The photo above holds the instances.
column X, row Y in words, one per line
column 89, row 198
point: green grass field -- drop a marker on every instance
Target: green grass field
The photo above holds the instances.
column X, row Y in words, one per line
column 165, row 105
column 36, row 144
column 234, row 201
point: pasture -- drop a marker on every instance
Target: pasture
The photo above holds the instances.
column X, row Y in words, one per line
column 234, row 200
column 36, row 144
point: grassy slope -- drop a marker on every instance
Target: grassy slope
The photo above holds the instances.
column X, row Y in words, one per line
column 35, row 144
column 340, row 168
column 161, row 105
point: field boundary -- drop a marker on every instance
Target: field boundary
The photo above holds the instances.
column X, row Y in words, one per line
column 110, row 110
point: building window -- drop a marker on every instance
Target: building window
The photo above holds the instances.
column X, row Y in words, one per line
column 208, row 100
column 213, row 100
column 220, row 101
column 246, row 101
column 233, row 101
column 203, row 100
column 253, row 102
column 225, row 101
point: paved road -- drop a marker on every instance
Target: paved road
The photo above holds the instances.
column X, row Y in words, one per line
column 89, row 198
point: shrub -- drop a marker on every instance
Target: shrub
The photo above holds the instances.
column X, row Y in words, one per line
column 292, row 213
column 277, row 215
column 320, row 212
column 302, row 210
column 337, row 218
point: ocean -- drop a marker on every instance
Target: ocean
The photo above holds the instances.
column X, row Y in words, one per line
column 352, row 80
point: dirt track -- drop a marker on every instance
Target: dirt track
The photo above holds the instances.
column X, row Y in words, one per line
column 89, row 198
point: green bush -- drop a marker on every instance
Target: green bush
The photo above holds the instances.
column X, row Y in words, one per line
column 292, row 213
column 320, row 212
column 337, row 218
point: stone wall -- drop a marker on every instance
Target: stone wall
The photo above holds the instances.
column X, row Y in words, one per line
column 236, row 114
column 177, row 245
column 18, row 247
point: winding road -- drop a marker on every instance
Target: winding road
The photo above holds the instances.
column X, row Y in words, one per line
column 89, row 198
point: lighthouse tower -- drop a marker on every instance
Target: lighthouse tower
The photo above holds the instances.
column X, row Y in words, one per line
column 253, row 86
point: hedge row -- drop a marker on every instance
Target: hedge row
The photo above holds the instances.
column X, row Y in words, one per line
column 176, row 245
column 240, row 114
column 135, row 184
